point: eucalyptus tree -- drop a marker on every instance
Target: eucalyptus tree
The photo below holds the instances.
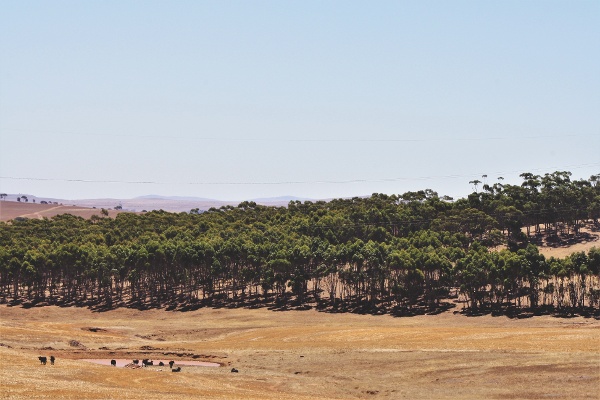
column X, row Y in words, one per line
column 390, row 251
column 472, row 275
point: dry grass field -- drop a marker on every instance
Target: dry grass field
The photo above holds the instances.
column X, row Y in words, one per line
column 293, row 354
column 12, row 209
column 297, row 355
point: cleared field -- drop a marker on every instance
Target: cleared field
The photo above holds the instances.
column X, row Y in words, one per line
column 297, row 355
column 11, row 210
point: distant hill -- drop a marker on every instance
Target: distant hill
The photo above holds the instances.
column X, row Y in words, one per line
column 149, row 204
column 286, row 199
column 156, row 202
column 13, row 209
column 184, row 198
column 262, row 200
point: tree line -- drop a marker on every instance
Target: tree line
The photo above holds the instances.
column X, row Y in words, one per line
column 398, row 254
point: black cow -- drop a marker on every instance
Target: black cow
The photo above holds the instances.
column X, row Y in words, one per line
column 113, row 363
column 43, row 360
column 52, row 360
column 161, row 364
column 171, row 364
column 147, row 362
column 136, row 362
column 178, row 369
column 234, row 370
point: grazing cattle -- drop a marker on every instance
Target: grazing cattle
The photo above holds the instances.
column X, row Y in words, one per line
column 171, row 364
column 178, row 369
column 147, row 362
column 136, row 362
column 43, row 360
column 52, row 360
column 161, row 364
column 234, row 370
column 113, row 363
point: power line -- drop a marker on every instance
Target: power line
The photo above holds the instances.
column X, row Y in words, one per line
column 291, row 182
column 308, row 140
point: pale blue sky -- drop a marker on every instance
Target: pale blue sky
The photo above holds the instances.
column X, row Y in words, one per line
column 243, row 99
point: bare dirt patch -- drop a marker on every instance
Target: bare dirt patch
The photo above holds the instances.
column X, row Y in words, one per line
column 564, row 251
column 298, row 355
column 124, row 362
column 563, row 245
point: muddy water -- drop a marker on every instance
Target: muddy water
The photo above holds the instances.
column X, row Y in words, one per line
column 121, row 362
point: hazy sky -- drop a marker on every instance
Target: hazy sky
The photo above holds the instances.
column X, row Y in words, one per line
column 243, row 99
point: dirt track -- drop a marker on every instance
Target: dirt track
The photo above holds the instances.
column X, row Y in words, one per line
column 298, row 354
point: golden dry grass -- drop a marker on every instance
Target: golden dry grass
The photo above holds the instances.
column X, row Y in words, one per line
column 11, row 210
column 298, row 355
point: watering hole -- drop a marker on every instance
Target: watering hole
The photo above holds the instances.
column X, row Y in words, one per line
column 121, row 362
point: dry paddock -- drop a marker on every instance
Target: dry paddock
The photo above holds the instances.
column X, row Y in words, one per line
column 297, row 355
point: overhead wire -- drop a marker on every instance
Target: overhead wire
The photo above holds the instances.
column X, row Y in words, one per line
column 290, row 182
column 302, row 139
